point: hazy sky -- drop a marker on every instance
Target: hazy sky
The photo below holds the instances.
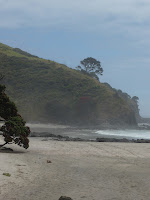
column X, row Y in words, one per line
column 115, row 32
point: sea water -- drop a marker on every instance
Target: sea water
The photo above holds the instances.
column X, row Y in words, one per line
column 87, row 133
column 129, row 134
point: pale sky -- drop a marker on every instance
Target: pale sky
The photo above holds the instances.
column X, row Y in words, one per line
column 115, row 32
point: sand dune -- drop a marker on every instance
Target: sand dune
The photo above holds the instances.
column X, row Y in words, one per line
column 81, row 170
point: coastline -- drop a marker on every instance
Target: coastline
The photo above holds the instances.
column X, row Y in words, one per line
column 50, row 136
column 91, row 133
column 81, row 170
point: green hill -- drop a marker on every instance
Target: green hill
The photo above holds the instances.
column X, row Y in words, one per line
column 47, row 91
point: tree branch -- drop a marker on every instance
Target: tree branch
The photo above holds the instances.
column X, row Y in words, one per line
column 3, row 144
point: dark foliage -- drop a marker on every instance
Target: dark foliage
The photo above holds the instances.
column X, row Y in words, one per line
column 14, row 129
column 91, row 67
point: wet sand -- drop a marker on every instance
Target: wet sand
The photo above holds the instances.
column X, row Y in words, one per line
column 81, row 170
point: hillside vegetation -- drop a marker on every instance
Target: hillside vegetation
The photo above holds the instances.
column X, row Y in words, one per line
column 46, row 91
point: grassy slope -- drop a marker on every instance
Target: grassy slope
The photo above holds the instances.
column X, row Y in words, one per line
column 48, row 91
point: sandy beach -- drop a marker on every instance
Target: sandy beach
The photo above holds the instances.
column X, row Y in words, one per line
column 80, row 170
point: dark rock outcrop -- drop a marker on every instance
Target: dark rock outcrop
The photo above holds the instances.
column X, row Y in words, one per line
column 64, row 198
column 122, row 140
column 50, row 136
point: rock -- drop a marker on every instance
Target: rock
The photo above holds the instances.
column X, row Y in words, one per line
column 51, row 136
column 142, row 141
column 64, row 198
column 122, row 140
column 48, row 161
column 112, row 140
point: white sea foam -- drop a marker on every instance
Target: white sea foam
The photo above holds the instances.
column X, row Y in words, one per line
column 135, row 134
column 132, row 134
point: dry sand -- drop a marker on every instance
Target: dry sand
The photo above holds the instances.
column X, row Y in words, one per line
column 81, row 170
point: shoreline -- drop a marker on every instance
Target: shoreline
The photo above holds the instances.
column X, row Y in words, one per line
column 85, row 133
column 51, row 136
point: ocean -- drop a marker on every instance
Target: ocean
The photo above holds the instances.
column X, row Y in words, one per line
column 88, row 133
column 129, row 134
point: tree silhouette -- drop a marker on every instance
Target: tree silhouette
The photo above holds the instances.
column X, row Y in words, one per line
column 13, row 129
column 91, row 67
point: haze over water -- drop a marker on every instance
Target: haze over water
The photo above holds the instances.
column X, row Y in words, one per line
column 87, row 133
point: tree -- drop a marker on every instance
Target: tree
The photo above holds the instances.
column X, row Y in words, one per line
column 91, row 67
column 135, row 99
column 14, row 129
